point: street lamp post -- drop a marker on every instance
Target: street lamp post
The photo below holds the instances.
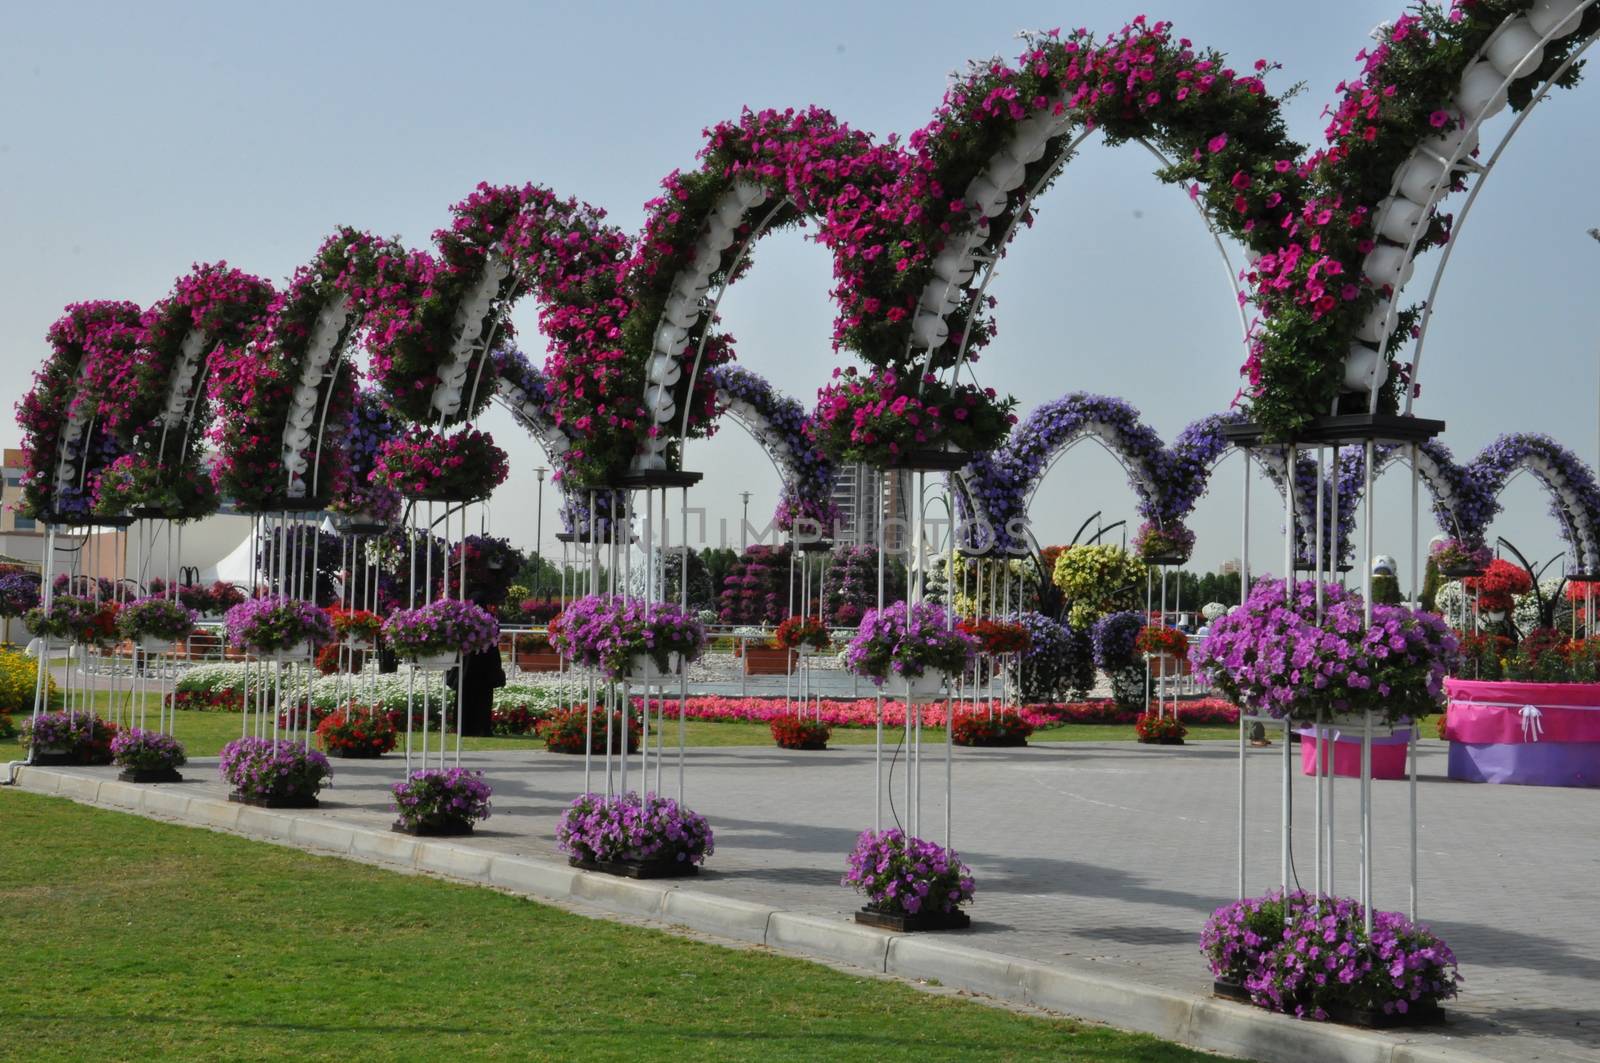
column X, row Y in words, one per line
column 538, row 534
column 1595, row 234
column 744, row 523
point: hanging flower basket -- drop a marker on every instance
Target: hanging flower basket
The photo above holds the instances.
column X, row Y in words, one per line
column 803, row 634
column 923, row 650
column 464, row 466
column 277, row 628
column 155, row 623
column 611, row 635
column 436, row 635
column 1168, row 545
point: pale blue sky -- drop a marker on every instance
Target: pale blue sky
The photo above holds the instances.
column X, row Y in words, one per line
column 137, row 139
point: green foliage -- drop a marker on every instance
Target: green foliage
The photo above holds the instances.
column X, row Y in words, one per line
column 1098, row 580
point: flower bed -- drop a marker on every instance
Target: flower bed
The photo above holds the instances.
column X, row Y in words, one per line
column 441, row 802
column 653, row 835
column 996, row 730
column 793, row 732
column 275, row 773
column 1321, row 963
column 147, row 756
column 357, row 731
column 903, row 876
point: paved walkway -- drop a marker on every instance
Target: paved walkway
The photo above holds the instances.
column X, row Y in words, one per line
column 1109, row 856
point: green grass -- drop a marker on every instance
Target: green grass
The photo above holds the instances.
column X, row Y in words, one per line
column 132, row 939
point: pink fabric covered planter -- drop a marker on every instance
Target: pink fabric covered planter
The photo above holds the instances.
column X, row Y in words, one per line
column 1388, row 754
column 1532, row 734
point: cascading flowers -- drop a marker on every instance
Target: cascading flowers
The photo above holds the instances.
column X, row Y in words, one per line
column 464, row 466
column 448, row 625
column 879, row 419
column 889, row 643
column 607, row 633
column 276, row 624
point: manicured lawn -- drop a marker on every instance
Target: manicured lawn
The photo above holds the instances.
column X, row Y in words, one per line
column 131, row 939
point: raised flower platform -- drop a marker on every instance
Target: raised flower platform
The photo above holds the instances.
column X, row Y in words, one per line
column 1532, row 734
column 1388, row 752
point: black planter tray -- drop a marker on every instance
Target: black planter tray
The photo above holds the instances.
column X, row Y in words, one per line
column 433, row 830
column 52, row 759
column 1344, row 428
column 999, row 742
column 956, row 920
column 660, row 478
column 1377, row 1019
column 1161, row 741
column 1166, row 559
column 638, row 868
column 149, row 775
column 1227, row 990
column 809, row 746
column 298, row 801
column 931, row 460
column 1464, row 571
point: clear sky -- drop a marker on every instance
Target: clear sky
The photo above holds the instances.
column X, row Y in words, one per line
column 136, row 139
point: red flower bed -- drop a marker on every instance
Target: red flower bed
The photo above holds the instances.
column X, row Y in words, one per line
column 981, row 729
column 791, row 732
column 845, row 712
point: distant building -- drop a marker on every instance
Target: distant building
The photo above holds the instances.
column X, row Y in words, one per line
column 854, row 492
column 21, row 538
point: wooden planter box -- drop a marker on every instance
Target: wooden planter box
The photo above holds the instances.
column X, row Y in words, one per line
column 538, row 660
column 762, row 660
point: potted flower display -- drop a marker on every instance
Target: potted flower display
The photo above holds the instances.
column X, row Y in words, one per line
column 1169, row 545
column 1256, row 655
column 154, row 624
column 357, row 629
column 273, row 773
column 564, row 729
column 633, row 836
column 440, row 802
column 357, row 731
column 924, row 649
column 997, row 637
column 909, row 884
column 1156, row 730
column 804, row 635
column 1497, row 588
column 435, row 635
column 992, row 730
column 463, row 466
column 70, row 618
column 641, row 642
column 147, row 756
column 1166, row 648
column 793, row 732
column 1457, row 558
column 1318, row 960
column 278, row 628
column 68, row 738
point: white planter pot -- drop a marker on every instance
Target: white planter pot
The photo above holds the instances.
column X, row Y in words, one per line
column 929, row 686
column 436, row 662
column 642, row 670
column 1516, row 52
column 1555, row 18
column 1388, row 264
column 1418, row 177
column 1399, row 217
column 302, row 652
column 1481, row 93
column 360, row 645
column 1494, row 616
column 1365, row 370
column 929, row 330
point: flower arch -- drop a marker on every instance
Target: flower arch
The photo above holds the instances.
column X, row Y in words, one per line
column 778, row 423
column 63, row 444
column 289, row 384
column 760, row 173
column 1404, row 134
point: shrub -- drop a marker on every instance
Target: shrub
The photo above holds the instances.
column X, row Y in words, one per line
column 19, row 674
column 792, row 732
column 1153, row 728
column 628, row 827
column 140, row 750
column 982, row 729
column 357, row 730
column 261, row 769
column 907, row 875
column 439, row 798
column 563, row 730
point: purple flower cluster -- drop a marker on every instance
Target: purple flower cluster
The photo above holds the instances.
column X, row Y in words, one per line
column 448, row 625
column 52, row 730
column 1057, row 665
column 628, row 827
column 433, row 795
column 889, row 642
column 1115, row 638
column 372, row 424
column 271, row 623
column 1275, row 656
column 1456, row 555
column 606, row 633
column 142, row 750
column 1310, row 956
column 907, row 875
column 808, row 474
column 19, row 592
column 156, row 617
column 850, row 583
column 260, row 768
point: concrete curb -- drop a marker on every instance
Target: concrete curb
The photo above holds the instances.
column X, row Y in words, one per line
column 1197, row 1021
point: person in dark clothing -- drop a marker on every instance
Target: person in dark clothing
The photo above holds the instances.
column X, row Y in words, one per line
column 474, row 683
